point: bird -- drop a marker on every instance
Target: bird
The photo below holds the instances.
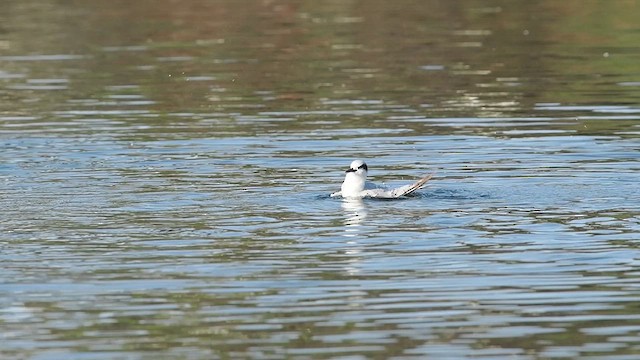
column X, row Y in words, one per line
column 356, row 186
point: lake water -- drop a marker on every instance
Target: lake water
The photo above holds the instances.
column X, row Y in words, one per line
column 166, row 165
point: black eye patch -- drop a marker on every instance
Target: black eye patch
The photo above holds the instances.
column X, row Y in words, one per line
column 363, row 166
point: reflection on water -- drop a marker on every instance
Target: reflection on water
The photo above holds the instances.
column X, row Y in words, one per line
column 165, row 171
column 355, row 213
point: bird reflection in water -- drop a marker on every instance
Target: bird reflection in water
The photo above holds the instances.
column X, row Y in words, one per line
column 355, row 212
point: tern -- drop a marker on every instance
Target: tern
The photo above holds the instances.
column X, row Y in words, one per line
column 356, row 186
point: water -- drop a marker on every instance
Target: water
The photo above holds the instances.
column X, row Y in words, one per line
column 165, row 172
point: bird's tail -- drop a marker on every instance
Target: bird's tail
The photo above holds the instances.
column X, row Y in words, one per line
column 406, row 190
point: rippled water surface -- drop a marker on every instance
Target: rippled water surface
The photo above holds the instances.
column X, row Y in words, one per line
column 166, row 166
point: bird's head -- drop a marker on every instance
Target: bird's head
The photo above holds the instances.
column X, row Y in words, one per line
column 359, row 167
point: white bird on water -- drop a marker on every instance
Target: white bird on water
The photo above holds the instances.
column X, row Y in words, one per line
column 356, row 186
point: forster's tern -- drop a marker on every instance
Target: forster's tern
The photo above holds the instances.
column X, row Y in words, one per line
column 356, row 186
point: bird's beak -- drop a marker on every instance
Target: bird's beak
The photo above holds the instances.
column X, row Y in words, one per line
column 350, row 170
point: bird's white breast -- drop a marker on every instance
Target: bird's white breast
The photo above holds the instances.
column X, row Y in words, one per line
column 353, row 185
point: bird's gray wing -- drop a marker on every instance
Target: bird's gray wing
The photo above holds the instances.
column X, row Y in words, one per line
column 377, row 193
column 368, row 185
